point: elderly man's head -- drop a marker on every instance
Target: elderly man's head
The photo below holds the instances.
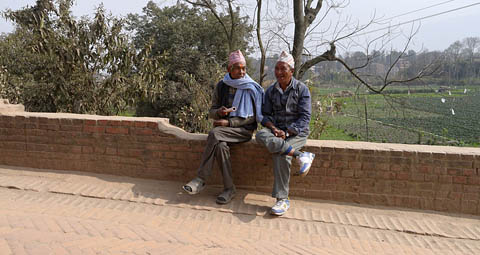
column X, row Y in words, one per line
column 284, row 68
column 236, row 65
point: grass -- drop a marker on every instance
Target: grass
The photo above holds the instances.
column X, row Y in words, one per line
column 332, row 133
column 407, row 118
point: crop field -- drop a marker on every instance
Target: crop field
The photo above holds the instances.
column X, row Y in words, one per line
column 449, row 117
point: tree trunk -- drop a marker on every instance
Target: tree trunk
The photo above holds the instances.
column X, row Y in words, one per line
column 299, row 36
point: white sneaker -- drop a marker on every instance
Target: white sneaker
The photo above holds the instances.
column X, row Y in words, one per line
column 306, row 159
column 281, row 207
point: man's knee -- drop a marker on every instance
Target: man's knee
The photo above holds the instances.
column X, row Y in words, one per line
column 222, row 146
column 262, row 135
column 213, row 134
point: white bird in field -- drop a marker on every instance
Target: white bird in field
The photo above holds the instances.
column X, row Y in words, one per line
column 465, row 91
column 449, row 93
column 453, row 112
column 443, row 100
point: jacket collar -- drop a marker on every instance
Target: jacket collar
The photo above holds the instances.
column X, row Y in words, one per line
column 293, row 85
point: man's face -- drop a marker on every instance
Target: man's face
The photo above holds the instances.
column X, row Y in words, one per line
column 237, row 70
column 283, row 73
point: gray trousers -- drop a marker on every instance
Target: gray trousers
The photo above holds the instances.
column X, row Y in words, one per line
column 218, row 148
column 281, row 163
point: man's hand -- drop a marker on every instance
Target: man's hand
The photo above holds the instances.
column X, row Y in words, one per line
column 279, row 133
column 223, row 111
column 221, row 122
column 291, row 132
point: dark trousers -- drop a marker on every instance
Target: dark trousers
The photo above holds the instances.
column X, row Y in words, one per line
column 218, row 148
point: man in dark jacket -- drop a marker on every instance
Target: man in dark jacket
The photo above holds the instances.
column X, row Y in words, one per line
column 236, row 108
column 286, row 116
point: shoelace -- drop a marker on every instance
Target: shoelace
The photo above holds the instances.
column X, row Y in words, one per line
column 280, row 203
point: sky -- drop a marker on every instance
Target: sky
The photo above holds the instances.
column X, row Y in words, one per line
column 436, row 33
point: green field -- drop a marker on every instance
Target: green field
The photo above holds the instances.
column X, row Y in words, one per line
column 422, row 116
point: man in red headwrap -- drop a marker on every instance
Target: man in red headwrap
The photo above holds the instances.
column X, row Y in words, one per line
column 236, row 109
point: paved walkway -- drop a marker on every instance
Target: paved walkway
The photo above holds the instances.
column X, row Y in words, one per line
column 54, row 212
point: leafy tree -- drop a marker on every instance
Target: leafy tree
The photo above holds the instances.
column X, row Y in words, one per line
column 81, row 66
column 197, row 50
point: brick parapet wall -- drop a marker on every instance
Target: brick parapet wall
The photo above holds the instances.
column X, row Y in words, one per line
column 410, row 176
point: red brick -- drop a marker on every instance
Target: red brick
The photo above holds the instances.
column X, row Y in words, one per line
column 182, row 148
column 467, row 157
column 471, row 189
column 460, row 179
column 326, row 164
column 418, row 177
column 340, row 181
column 469, row 172
column 473, row 180
column 327, row 149
column 398, row 160
column 140, row 124
column 399, row 184
column 431, row 178
column 49, row 127
column 445, row 179
column 344, row 157
column 135, row 153
column 460, row 164
column 471, row 196
column 426, row 169
column 425, row 186
column 14, row 146
column 398, row 167
column 128, row 123
column 102, row 122
column 440, row 204
column 403, row 176
column 90, row 122
column 469, row 206
column 450, row 156
column 169, row 154
column 71, row 128
column 455, row 195
column 87, row 149
column 359, row 173
column 117, row 130
column 114, row 123
column 43, row 120
column 355, row 165
column 424, row 155
column 439, row 155
column 332, row 172
column 93, row 129
column 152, row 125
column 440, row 170
column 143, row 132
column 368, row 166
column 386, row 175
column 99, row 150
column 319, row 194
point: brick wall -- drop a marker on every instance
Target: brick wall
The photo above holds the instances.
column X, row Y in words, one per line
column 411, row 176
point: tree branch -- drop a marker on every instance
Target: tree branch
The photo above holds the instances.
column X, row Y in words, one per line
column 260, row 42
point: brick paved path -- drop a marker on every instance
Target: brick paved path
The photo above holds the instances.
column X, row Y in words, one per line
column 52, row 212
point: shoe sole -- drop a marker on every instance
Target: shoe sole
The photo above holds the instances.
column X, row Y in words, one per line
column 308, row 169
column 277, row 214
column 225, row 202
column 191, row 192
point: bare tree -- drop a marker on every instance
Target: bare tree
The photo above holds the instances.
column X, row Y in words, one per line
column 309, row 20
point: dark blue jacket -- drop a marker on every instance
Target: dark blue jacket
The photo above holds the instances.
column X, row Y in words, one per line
column 290, row 110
